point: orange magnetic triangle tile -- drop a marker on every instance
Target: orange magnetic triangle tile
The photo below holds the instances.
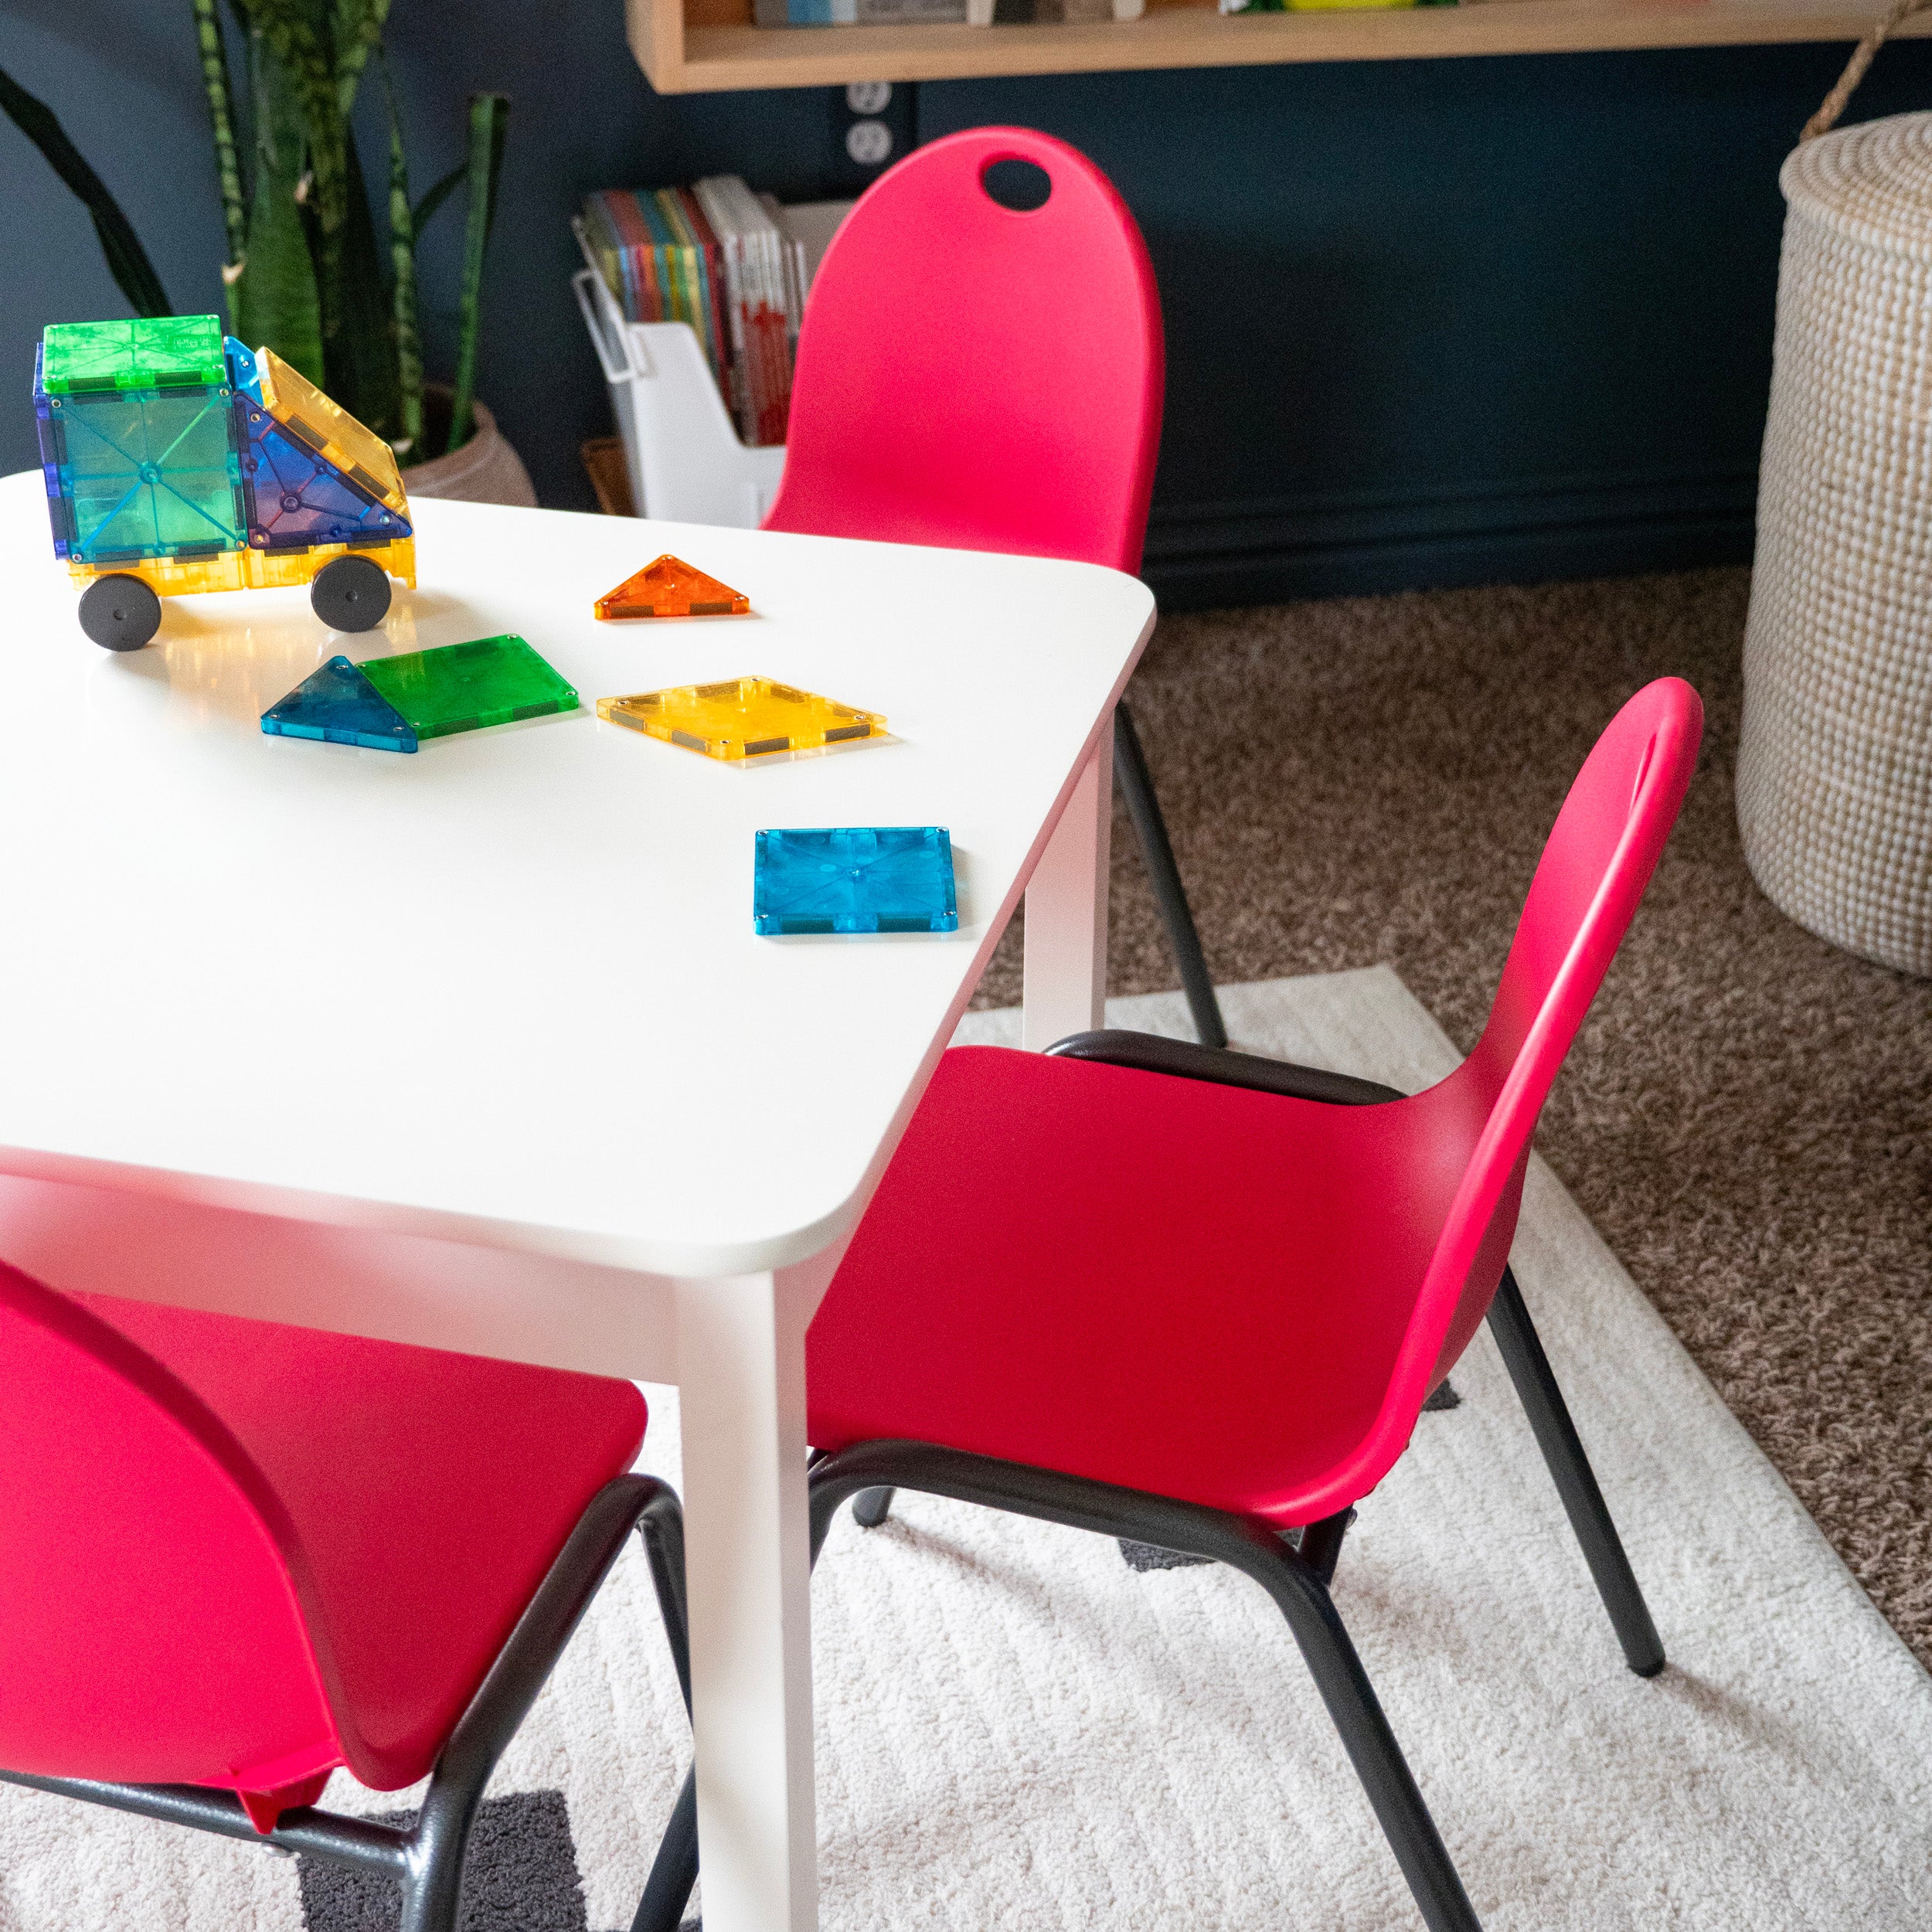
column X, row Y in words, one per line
column 671, row 588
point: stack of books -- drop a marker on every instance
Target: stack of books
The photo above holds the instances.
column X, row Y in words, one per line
column 721, row 258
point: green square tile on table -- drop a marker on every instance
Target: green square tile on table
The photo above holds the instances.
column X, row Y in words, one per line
column 465, row 687
column 159, row 351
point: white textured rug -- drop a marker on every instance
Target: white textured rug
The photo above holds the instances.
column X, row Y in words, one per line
column 1017, row 1730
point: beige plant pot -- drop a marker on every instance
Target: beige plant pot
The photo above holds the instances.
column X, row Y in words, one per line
column 485, row 470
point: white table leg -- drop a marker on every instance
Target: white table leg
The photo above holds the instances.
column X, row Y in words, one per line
column 741, row 1369
column 1065, row 955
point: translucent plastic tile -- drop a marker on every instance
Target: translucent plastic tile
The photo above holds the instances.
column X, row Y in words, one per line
column 671, row 588
column 296, row 498
column 338, row 705
column 742, row 718
column 243, row 378
column 855, row 878
column 465, row 687
column 143, row 473
column 249, row 570
column 329, row 430
column 163, row 351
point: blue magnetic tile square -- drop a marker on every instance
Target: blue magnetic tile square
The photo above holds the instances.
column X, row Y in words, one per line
column 145, row 473
column 340, row 707
column 855, row 878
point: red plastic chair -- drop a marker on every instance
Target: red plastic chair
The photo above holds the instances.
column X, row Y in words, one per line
column 235, row 1555
column 1197, row 1299
column 983, row 378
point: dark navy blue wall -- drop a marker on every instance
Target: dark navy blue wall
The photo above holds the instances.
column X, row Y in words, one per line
column 1427, row 322
column 1455, row 320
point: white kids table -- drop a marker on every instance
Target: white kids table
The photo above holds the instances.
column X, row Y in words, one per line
column 477, row 1048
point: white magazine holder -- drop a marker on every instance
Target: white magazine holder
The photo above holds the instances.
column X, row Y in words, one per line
column 686, row 463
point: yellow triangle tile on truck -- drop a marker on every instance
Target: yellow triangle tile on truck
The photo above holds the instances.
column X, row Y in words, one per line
column 365, row 462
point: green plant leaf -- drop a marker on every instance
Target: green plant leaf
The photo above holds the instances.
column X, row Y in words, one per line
column 402, row 251
column 126, row 259
column 425, row 209
column 357, row 32
column 489, row 126
column 274, row 300
column 296, row 32
column 221, row 113
column 358, row 338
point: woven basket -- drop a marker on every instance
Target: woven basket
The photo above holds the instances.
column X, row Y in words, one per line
column 1834, row 768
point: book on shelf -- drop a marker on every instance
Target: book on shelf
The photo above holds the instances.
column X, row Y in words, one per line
column 976, row 13
column 722, row 259
column 1323, row 6
column 1022, row 13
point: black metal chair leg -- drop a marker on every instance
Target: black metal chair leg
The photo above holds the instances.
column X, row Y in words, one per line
column 871, row 1507
column 1356, row 1713
column 1563, row 1450
column 674, row 1872
column 432, row 1892
column 432, row 1880
column 1254, row 1548
column 1137, row 788
column 1320, row 1544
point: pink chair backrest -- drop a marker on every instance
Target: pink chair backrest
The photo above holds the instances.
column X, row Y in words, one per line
column 1599, row 859
column 977, row 377
column 149, row 1624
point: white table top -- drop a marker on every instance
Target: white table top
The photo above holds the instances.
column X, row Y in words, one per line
column 507, row 989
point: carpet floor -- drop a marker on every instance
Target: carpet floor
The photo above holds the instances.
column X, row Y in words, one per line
column 1745, row 1117
column 1017, row 1729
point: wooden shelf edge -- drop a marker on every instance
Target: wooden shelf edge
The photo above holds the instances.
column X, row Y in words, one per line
column 680, row 58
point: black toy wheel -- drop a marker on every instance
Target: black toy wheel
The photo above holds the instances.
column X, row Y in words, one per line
column 350, row 593
column 120, row 613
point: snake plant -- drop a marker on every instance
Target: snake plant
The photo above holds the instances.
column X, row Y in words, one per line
column 304, row 271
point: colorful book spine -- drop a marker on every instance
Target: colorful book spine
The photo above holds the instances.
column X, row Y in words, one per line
column 720, row 258
column 805, row 13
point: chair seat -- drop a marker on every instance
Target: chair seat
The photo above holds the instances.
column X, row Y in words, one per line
column 426, row 1494
column 1176, row 1286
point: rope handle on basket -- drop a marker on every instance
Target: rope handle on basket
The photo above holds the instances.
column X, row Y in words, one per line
column 1826, row 118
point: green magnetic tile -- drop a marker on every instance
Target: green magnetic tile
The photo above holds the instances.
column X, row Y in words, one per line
column 150, row 473
column 161, row 352
column 464, row 687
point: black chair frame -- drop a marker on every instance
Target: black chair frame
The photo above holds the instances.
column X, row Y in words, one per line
column 427, row 1857
column 1137, row 788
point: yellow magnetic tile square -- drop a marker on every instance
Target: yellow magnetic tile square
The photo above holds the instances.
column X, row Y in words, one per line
column 741, row 718
column 329, row 429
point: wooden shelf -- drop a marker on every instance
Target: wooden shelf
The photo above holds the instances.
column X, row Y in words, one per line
column 703, row 47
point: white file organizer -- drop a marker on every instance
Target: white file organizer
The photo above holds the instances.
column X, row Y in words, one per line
column 686, row 463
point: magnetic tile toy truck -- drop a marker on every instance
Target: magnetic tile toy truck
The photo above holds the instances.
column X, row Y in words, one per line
column 176, row 460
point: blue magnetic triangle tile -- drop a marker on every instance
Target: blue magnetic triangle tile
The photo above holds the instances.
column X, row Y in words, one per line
column 339, row 705
column 296, row 499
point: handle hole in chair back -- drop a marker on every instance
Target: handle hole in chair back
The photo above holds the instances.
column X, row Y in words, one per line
column 978, row 375
column 1019, row 185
